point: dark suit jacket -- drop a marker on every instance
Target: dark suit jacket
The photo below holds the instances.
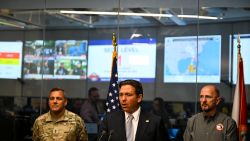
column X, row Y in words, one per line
column 150, row 127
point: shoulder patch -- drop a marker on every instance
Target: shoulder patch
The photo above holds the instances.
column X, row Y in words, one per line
column 219, row 127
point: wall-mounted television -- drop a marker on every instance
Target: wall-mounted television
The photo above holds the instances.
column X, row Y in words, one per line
column 191, row 59
column 245, row 50
column 136, row 59
column 55, row 59
column 10, row 59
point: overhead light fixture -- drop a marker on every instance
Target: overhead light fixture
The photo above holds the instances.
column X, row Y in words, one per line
column 115, row 13
column 135, row 35
column 11, row 24
column 135, row 14
column 198, row 17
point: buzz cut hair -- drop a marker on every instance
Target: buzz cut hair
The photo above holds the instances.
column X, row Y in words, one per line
column 57, row 89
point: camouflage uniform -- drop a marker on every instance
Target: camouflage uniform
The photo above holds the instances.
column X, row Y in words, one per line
column 69, row 127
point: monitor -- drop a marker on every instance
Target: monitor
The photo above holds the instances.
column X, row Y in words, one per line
column 55, row 59
column 244, row 42
column 173, row 132
column 191, row 59
column 11, row 59
column 136, row 59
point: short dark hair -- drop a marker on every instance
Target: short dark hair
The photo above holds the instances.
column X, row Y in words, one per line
column 57, row 89
column 161, row 101
column 136, row 84
column 91, row 90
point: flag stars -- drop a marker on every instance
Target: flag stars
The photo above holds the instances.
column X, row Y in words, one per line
column 110, row 94
column 113, row 93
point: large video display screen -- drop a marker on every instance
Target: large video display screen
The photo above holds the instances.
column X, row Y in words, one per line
column 191, row 59
column 136, row 59
column 245, row 50
column 55, row 59
column 10, row 59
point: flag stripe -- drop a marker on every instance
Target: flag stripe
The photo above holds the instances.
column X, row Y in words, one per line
column 239, row 113
column 236, row 104
column 243, row 106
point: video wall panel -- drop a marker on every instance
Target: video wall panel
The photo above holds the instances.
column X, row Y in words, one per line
column 245, row 50
column 188, row 59
column 136, row 59
column 55, row 59
column 10, row 59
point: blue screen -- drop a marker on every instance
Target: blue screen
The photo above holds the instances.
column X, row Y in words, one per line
column 136, row 59
column 244, row 42
column 173, row 132
column 190, row 59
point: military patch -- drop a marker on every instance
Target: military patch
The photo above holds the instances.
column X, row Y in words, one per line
column 219, row 127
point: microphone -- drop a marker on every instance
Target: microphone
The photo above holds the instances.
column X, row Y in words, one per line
column 102, row 134
column 110, row 134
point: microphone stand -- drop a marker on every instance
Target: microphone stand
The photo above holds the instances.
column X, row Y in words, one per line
column 102, row 134
column 110, row 134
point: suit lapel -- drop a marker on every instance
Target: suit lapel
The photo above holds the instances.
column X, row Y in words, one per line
column 142, row 126
column 123, row 130
column 120, row 123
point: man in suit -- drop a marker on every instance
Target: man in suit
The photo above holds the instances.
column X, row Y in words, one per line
column 132, row 123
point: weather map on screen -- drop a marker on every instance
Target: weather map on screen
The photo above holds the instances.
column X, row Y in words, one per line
column 185, row 63
column 245, row 49
column 59, row 59
column 136, row 59
column 10, row 59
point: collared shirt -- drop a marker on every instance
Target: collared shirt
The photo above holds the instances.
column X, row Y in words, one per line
column 135, row 120
column 89, row 112
column 70, row 127
column 219, row 127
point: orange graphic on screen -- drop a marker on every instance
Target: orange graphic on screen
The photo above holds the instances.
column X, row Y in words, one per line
column 9, row 58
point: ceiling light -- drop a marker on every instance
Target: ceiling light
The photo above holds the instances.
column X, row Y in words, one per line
column 115, row 13
column 136, row 14
column 197, row 17
column 134, row 35
column 11, row 24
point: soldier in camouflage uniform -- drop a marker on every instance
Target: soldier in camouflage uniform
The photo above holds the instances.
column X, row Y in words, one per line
column 59, row 124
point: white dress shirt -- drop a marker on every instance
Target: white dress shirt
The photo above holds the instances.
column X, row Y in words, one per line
column 135, row 120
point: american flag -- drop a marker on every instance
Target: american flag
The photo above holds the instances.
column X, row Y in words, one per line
column 112, row 102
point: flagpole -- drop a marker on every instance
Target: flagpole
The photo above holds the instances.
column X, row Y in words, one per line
column 112, row 102
column 239, row 112
column 114, row 42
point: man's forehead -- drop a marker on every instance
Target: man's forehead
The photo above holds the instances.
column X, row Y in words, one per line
column 208, row 90
column 56, row 94
column 127, row 88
